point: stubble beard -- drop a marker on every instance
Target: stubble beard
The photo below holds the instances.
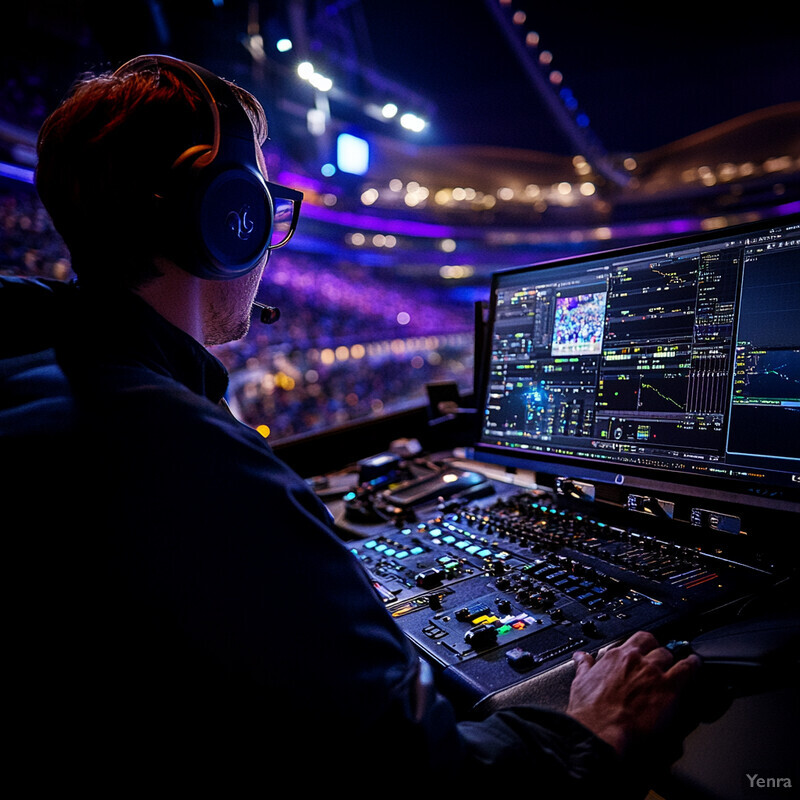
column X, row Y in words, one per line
column 230, row 308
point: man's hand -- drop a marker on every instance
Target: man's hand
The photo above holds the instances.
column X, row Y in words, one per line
column 631, row 693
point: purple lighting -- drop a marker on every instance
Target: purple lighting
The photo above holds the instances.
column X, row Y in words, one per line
column 400, row 226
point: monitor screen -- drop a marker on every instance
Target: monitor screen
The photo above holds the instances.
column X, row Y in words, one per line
column 677, row 360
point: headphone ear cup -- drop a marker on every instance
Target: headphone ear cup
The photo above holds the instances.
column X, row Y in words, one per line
column 234, row 216
column 215, row 221
column 214, row 216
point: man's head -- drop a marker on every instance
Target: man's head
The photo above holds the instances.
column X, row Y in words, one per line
column 118, row 171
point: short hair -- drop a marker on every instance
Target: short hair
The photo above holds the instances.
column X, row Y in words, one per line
column 106, row 152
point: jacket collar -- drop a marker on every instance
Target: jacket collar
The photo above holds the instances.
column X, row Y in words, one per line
column 124, row 330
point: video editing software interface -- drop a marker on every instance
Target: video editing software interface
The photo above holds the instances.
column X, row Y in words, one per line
column 682, row 356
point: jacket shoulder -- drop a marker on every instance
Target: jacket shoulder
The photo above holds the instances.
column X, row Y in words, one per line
column 35, row 396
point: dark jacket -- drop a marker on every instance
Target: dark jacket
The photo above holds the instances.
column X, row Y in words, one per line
column 180, row 600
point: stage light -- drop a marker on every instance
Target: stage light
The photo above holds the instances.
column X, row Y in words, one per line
column 412, row 122
column 283, row 45
column 389, row 111
column 352, row 154
column 456, row 271
column 321, row 82
column 307, row 72
column 369, row 196
column 315, row 121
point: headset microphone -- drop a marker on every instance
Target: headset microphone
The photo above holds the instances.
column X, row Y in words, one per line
column 269, row 314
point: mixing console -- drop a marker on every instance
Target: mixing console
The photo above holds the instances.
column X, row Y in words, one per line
column 496, row 591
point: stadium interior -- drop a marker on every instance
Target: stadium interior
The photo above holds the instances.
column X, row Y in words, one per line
column 561, row 138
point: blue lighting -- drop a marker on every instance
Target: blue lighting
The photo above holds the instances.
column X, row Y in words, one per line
column 352, row 154
column 16, row 173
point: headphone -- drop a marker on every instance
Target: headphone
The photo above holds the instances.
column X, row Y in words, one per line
column 217, row 213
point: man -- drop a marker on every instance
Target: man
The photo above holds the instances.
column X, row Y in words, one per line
column 182, row 610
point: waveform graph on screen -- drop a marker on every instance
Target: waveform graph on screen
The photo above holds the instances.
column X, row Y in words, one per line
column 644, row 379
column 652, row 301
column 765, row 398
column 765, row 412
column 767, row 375
column 645, row 393
column 663, row 394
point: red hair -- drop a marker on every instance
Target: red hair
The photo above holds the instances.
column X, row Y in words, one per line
column 105, row 153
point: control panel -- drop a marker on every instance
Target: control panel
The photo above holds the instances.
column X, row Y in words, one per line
column 497, row 590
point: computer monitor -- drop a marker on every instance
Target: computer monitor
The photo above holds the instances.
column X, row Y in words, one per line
column 675, row 362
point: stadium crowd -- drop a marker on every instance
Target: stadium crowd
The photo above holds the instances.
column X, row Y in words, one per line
column 351, row 342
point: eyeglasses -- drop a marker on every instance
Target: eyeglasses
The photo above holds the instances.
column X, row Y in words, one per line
column 285, row 213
